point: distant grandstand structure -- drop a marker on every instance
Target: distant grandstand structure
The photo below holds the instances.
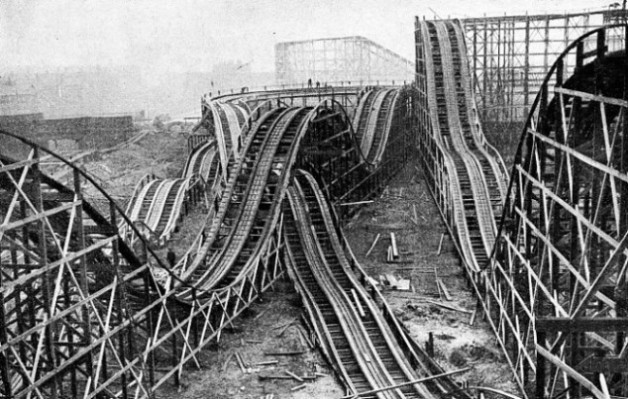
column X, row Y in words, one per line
column 342, row 59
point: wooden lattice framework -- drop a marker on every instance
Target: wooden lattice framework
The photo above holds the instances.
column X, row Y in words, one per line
column 83, row 315
column 558, row 278
column 511, row 54
column 341, row 59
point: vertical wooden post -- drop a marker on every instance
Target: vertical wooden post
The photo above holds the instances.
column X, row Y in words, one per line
column 4, row 360
column 540, row 367
column 80, row 236
column 50, row 332
column 526, row 68
column 120, row 298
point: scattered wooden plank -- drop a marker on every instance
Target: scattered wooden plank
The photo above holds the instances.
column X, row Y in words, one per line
column 289, row 353
column 273, row 377
column 440, row 244
column 296, row 377
column 240, row 362
column 227, row 360
column 285, row 328
column 260, row 314
column 286, row 324
column 473, row 317
column 298, row 387
column 372, row 245
column 267, row 363
column 450, row 307
column 416, row 218
column 357, row 203
column 445, row 290
column 403, row 284
column 283, row 377
column 440, row 293
column 393, row 243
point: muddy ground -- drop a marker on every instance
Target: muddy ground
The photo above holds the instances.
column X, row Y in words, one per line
column 273, row 324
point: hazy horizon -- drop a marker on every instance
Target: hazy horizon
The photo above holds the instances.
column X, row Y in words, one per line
column 162, row 36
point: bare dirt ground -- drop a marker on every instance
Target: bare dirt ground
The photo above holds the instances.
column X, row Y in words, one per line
column 457, row 342
column 273, row 324
column 160, row 152
column 270, row 326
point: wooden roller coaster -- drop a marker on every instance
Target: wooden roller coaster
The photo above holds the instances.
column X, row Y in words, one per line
column 85, row 314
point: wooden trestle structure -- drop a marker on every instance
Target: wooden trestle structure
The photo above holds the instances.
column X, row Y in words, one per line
column 84, row 314
column 554, row 287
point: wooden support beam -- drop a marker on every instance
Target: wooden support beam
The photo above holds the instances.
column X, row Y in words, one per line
column 564, row 324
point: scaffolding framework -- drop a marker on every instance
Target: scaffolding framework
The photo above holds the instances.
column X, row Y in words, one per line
column 510, row 56
column 353, row 59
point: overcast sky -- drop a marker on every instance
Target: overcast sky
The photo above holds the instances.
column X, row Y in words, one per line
column 192, row 35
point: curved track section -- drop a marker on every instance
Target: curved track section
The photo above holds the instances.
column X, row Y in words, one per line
column 158, row 206
column 201, row 162
column 353, row 332
column 228, row 120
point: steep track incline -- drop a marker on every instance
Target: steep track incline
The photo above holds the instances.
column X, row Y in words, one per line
column 476, row 180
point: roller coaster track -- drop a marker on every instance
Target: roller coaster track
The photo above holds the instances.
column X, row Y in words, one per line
column 201, row 162
column 157, row 204
column 108, row 311
column 553, row 286
column 476, row 180
column 228, row 120
column 353, row 332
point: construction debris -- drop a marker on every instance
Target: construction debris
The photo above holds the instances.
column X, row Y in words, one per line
column 450, row 307
column 267, row 363
column 291, row 353
column 393, row 243
column 226, row 363
column 395, row 283
column 442, row 286
column 298, row 387
column 296, row 377
column 440, row 244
